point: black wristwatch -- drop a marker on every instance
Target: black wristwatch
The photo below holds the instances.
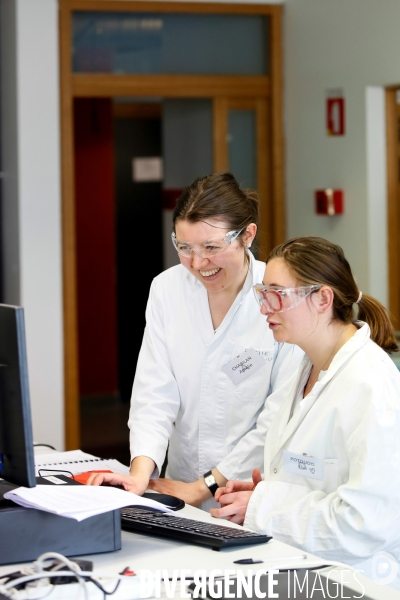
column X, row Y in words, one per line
column 210, row 482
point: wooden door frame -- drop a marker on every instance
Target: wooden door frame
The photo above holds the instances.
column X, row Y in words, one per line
column 393, row 204
column 173, row 86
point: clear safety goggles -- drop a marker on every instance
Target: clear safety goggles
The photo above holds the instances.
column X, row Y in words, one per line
column 207, row 248
column 275, row 299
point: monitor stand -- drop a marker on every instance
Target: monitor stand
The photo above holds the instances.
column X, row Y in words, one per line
column 27, row 533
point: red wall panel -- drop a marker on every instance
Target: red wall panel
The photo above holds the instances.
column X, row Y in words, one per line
column 96, row 247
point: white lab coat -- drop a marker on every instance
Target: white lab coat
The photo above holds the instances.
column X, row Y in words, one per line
column 351, row 421
column 181, row 395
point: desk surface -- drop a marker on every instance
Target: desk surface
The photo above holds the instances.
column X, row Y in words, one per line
column 143, row 552
column 146, row 552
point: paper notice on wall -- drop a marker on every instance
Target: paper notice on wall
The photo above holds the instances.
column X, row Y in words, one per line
column 149, row 168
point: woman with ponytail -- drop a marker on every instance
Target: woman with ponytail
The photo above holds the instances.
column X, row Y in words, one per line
column 332, row 453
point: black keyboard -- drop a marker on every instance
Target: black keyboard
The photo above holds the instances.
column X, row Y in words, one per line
column 187, row 530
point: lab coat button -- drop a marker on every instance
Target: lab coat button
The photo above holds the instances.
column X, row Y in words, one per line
column 275, row 471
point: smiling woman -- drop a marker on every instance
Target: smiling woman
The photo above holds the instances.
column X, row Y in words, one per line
column 201, row 321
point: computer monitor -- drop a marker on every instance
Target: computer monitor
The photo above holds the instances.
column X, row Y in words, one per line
column 16, row 443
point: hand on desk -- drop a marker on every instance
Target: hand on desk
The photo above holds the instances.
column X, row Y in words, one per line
column 234, row 499
column 129, row 483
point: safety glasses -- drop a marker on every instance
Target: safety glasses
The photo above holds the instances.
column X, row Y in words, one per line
column 275, row 299
column 207, row 248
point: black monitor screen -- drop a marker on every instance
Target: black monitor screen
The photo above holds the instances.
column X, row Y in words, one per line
column 16, row 444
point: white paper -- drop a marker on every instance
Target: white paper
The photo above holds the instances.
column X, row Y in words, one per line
column 56, row 480
column 76, row 461
column 78, row 501
column 147, row 169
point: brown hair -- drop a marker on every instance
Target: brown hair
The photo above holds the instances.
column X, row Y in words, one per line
column 220, row 196
column 314, row 260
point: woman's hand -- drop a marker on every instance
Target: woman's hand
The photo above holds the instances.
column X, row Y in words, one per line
column 239, row 486
column 234, row 498
column 233, row 507
column 192, row 493
column 136, row 482
column 129, row 483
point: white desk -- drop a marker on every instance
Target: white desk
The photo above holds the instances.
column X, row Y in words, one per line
column 143, row 552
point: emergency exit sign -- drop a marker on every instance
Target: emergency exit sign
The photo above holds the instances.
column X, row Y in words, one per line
column 335, row 112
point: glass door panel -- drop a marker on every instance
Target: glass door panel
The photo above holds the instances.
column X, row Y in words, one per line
column 242, row 145
column 162, row 43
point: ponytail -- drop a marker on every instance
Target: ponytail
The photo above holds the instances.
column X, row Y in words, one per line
column 376, row 316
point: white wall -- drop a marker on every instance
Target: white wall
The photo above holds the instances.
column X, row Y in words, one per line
column 376, row 209
column 349, row 45
column 32, row 200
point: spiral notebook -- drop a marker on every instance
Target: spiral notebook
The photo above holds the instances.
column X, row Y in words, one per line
column 76, row 461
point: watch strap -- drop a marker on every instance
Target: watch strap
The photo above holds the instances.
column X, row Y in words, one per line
column 210, row 482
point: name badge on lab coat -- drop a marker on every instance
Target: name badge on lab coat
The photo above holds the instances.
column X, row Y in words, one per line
column 301, row 464
column 243, row 365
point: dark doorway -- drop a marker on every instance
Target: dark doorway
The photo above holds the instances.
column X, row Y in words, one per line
column 139, row 231
column 119, row 252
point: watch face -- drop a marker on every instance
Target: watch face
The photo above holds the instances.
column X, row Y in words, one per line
column 209, row 480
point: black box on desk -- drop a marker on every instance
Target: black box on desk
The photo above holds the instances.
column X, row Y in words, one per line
column 26, row 533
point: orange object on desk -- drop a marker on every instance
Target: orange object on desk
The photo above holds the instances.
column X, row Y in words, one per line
column 83, row 477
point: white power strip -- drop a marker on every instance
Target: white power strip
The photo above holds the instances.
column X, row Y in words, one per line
column 128, row 589
column 35, row 582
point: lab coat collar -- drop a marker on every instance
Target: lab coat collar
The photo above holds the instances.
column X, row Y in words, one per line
column 285, row 428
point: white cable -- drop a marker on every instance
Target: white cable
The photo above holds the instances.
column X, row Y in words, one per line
column 74, row 567
column 36, row 571
column 6, row 593
column 38, row 564
column 46, row 575
column 49, row 574
column 83, row 574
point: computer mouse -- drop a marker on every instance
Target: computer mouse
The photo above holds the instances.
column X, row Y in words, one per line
column 171, row 502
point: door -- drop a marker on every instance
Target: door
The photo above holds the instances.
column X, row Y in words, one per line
column 128, row 54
